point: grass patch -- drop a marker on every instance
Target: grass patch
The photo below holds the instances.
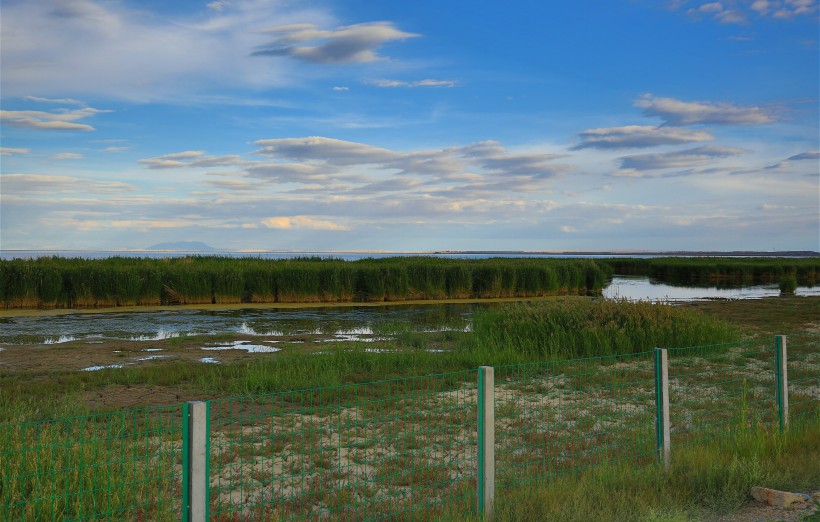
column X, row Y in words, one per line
column 568, row 328
column 709, row 480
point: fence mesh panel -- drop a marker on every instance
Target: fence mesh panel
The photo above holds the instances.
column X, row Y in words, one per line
column 567, row 416
column 117, row 466
column 397, row 449
column 720, row 389
column 803, row 353
column 361, row 452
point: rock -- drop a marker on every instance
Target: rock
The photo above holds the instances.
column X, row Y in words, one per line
column 779, row 499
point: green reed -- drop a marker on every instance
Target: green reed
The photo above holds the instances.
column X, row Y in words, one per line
column 582, row 327
column 55, row 282
column 712, row 270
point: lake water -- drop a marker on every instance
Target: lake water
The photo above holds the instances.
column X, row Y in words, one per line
column 349, row 323
column 643, row 288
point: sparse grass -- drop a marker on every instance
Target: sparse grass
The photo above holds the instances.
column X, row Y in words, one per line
column 712, row 479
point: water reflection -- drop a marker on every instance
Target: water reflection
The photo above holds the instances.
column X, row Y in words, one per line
column 642, row 288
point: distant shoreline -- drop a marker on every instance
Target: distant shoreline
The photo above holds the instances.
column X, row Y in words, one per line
column 573, row 253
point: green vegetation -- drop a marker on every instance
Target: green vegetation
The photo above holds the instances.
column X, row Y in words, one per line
column 788, row 284
column 55, row 282
column 708, row 479
column 508, row 334
column 719, row 270
column 569, row 328
column 704, row 482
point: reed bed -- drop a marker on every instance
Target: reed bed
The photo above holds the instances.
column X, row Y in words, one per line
column 55, row 282
column 717, row 270
column 590, row 328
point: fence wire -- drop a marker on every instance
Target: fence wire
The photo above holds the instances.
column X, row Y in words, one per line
column 718, row 390
column 118, row 466
column 400, row 449
column 567, row 416
column 363, row 452
column 803, row 364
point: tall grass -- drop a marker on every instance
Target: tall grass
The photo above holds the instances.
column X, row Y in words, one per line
column 694, row 270
column 585, row 328
column 52, row 282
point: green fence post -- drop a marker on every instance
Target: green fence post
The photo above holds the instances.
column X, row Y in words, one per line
column 662, row 426
column 186, row 465
column 781, row 381
column 485, row 477
column 196, row 429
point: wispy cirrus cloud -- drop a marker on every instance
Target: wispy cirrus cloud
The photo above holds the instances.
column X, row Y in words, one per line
column 192, row 159
column 62, row 101
column 638, row 136
column 741, row 11
column 135, row 52
column 357, row 43
column 8, row 151
column 48, row 184
column 679, row 159
column 416, row 83
column 68, row 156
column 64, row 120
column 678, row 113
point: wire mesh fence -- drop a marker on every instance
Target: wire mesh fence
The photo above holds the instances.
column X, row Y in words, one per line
column 721, row 389
column 567, row 416
column 397, row 449
column 118, row 466
column 804, row 376
column 360, row 452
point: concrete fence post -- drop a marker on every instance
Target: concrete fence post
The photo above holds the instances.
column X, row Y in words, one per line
column 195, row 460
column 662, row 426
column 486, row 441
column 781, row 381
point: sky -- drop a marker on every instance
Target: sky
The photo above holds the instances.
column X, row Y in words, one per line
column 410, row 126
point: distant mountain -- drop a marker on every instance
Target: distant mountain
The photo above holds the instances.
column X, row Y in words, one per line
column 183, row 246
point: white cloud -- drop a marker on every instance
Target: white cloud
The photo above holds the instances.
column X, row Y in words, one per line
column 8, row 151
column 219, row 5
column 115, row 149
column 182, row 155
column 333, row 151
column 677, row 112
column 348, row 44
column 96, row 47
column 288, row 222
column 192, row 158
column 739, row 11
column 639, row 136
column 44, row 184
column 63, row 120
column 417, row 83
column 679, row 159
column 68, row 156
column 63, row 101
column 341, row 88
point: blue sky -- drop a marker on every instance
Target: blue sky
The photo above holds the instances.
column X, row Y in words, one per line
column 410, row 126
